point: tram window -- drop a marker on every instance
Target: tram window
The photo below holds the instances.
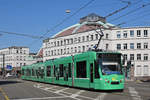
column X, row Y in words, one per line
column 42, row 73
column 96, row 70
column 37, row 73
column 54, row 71
column 22, row 71
column 33, row 74
column 69, row 70
column 48, row 71
column 28, row 72
column 61, row 70
column 81, row 69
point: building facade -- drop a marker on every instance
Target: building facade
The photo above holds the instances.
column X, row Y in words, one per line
column 13, row 56
column 133, row 42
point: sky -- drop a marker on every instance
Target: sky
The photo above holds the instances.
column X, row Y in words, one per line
column 37, row 17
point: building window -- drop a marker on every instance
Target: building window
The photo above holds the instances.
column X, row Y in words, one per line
column 87, row 47
column 131, row 33
column 138, row 70
column 64, row 50
column 145, row 45
column 125, row 57
column 79, row 49
column 58, row 52
column 145, row 56
column 131, row 56
column 71, row 40
column 107, row 46
column 131, row 45
column 52, row 53
column 54, row 43
column 125, row 46
column 46, row 53
column 17, row 51
column 65, row 42
column 61, row 51
column 106, row 36
column 87, row 38
column 138, row 45
column 61, row 43
column 138, row 56
column 118, row 46
column 146, row 70
column 79, row 39
column 57, row 43
column 83, row 48
column 145, row 33
column 24, row 51
column 83, row 38
column 96, row 35
column 71, row 49
column 91, row 37
column 75, row 49
column 125, row 34
column 138, row 33
column 118, row 35
column 67, row 50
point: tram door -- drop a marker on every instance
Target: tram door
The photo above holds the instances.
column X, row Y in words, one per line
column 91, row 73
column 91, row 76
column 66, row 74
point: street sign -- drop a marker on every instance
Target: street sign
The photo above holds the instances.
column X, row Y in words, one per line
column 9, row 67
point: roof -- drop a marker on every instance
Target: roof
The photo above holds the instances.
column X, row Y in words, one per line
column 78, row 28
column 15, row 47
column 40, row 53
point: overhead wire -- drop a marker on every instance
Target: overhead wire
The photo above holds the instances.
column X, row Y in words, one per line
column 133, row 19
column 130, row 12
column 118, row 10
column 67, row 18
column 20, row 34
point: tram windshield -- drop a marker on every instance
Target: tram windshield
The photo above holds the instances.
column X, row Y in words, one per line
column 110, row 63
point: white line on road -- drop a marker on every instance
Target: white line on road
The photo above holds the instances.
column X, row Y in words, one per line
column 61, row 90
column 42, row 98
column 77, row 94
column 101, row 96
column 134, row 94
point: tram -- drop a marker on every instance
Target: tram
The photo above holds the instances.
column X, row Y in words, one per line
column 98, row 70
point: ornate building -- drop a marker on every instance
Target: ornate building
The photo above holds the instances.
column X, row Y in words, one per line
column 133, row 42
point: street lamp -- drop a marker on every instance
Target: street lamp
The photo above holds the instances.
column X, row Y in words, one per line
column 68, row 11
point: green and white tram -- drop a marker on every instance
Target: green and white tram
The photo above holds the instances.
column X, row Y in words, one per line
column 92, row 70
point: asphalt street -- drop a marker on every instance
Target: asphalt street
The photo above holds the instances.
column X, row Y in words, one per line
column 16, row 89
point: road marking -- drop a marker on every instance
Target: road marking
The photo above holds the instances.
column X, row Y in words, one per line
column 101, row 96
column 4, row 94
column 134, row 94
column 77, row 94
column 42, row 98
column 60, row 90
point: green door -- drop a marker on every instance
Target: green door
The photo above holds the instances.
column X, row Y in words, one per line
column 91, row 75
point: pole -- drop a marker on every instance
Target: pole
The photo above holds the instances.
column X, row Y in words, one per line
column 72, row 70
column 3, row 65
